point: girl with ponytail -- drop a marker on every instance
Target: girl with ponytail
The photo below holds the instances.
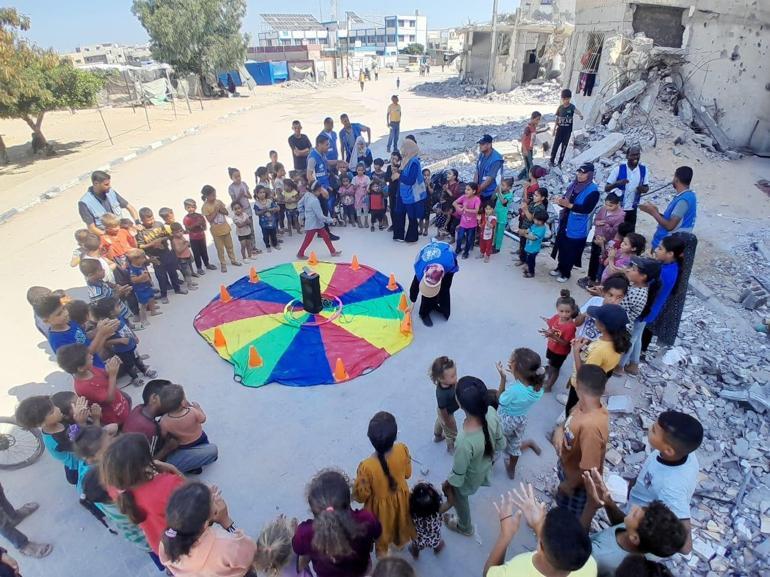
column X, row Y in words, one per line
column 479, row 439
column 516, row 400
column 140, row 486
column 381, row 483
column 201, row 539
column 337, row 540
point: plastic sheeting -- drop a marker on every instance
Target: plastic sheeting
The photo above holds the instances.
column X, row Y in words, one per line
column 298, row 348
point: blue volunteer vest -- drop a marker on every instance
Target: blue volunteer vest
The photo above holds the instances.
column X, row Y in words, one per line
column 435, row 252
column 623, row 174
column 687, row 223
column 95, row 207
column 579, row 224
column 333, row 153
column 321, row 170
column 411, row 193
column 484, row 167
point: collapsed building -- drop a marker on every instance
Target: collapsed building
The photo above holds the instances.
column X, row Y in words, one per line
column 712, row 55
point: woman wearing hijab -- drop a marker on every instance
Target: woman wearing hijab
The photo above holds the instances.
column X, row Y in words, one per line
column 575, row 220
column 363, row 155
column 411, row 198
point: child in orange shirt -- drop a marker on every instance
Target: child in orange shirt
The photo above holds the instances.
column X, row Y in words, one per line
column 181, row 419
column 116, row 241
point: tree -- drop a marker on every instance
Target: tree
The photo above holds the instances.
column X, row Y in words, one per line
column 414, row 48
column 34, row 81
column 195, row 36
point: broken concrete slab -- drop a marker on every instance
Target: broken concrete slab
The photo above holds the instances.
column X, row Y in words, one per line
column 704, row 118
column 647, row 101
column 605, row 147
column 628, row 93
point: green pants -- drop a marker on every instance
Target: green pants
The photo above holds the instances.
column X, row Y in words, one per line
column 463, row 510
column 499, row 233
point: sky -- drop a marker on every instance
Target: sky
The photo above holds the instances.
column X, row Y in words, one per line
column 65, row 24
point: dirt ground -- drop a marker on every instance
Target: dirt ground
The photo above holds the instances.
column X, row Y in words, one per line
column 273, row 439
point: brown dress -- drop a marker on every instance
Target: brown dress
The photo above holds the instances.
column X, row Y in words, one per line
column 390, row 507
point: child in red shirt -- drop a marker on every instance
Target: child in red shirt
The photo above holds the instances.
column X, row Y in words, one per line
column 488, row 226
column 378, row 205
column 96, row 384
column 560, row 333
column 195, row 226
column 116, row 241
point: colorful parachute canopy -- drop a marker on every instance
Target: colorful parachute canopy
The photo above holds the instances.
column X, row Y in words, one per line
column 262, row 329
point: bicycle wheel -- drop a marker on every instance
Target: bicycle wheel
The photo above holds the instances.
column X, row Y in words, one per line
column 18, row 447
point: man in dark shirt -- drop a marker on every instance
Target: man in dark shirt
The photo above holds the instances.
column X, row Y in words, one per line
column 300, row 146
column 100, row 199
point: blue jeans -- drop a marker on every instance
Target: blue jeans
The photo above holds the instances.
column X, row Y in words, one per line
column 191, row 458
column 395, row 127
column 467, row 234
column 331, row 202
column 634, row 353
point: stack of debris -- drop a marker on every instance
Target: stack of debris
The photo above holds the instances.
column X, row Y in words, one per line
column 306, row 83
column 543, row 92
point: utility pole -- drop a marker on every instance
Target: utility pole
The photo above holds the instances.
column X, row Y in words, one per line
column 492, row 51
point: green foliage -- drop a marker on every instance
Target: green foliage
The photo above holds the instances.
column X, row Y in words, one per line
column 195, row 36
column 415, row 48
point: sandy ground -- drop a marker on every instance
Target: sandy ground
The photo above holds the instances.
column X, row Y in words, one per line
column 272, row 440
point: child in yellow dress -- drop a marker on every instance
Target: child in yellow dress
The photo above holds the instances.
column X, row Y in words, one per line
column 381, row 483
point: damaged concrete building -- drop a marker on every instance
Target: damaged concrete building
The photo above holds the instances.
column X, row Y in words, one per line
column 714, row 52
column 529, row 43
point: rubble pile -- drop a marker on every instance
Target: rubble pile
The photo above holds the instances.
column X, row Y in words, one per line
column 306, row 83
column 538, row 91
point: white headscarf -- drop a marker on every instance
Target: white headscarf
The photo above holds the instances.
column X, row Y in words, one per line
column 409, row 150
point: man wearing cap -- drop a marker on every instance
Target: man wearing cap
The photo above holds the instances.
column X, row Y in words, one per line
column 434, row 269
column 100, row 199
column 632, row 179
column 489, row 170
column 575, row 220
column 681, row 211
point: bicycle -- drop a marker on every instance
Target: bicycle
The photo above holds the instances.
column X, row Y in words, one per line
column 19, row 447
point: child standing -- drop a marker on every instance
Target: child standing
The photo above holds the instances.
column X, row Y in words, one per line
column 516, row 400
column 429, row 201
column 347, row 195
column 195, row 225
column 279, row 191
column 528, row 143
column 467, row 207
column 560, row 332
column 181, row 418
column 378, row 205
column 443, row 373
column 582, row 442
column 80, row 240
column 315, row 220
column 154, row 238
column 239, row 190
column 488, row 227
column 563, row 127
column 381, row 483
column 184, row 255
column 274, row 556
column 643, row 278
column 291, row 197
column 99, row 288
column 360, row 185
column 534, row 235
column 338, row 539
column 606, row 223
column 538, row 201
column 116, row 242
column 167, row 216
column 267, row 209
column 503, row 198
column 243, row 229
column 214, row 211
column 424, row 506
column 142, row 284
column 619, row 260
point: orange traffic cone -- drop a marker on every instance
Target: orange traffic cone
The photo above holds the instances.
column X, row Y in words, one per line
column 392, row 283
column 354, row 263
column 219, row 338
column 340, row 374
column 224, row 296
column 313, row 260
column 253, row 276
column 403, row 306
column 255, row 361
column 406, row 323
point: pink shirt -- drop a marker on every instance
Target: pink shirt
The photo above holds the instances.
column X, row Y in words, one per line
column 185, row 427
column 216, row 553
column 361, row 186
column 469, row 219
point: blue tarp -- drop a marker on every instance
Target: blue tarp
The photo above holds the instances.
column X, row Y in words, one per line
column 266, row 73
column 234, row 74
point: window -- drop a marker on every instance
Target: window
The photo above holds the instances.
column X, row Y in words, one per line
column 661, row 23
column 504, row 43
column 590, row 59
column 401, row 23
column 401, row 38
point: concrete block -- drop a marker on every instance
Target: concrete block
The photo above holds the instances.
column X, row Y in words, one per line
column 628, row 93
column 647, row 102
column 685, row 112
column 605, row 147
column 701, row 290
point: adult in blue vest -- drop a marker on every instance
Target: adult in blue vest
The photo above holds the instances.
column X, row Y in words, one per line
column 410, row 201
column 632, row 179
column 101, row 199
column 434, row 269
column 331, row 134
column 349, row 134
column 318, row 170
column 489, row 170
column 577, row 205
column 681, row 211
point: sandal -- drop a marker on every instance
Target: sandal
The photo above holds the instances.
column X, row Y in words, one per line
column 452, row 523
column 25, row 511
column 36, row 550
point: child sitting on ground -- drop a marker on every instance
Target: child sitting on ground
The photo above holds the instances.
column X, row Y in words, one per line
column 291, row 198
column 443, row 373
column 274, row 556
column 181, row 418
column 424, row 507
column 184, row 256
column 97, row 385
column 267, row 209
column 488, row 227
column 244, row 229
column 534, row 235
column 123, row 342
column 141, row 282
column 560, row 332
column 381, row 483
column 347, row 196
column 378, row 205
column 515, row 401
column 80, row 238
column 338, row 539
